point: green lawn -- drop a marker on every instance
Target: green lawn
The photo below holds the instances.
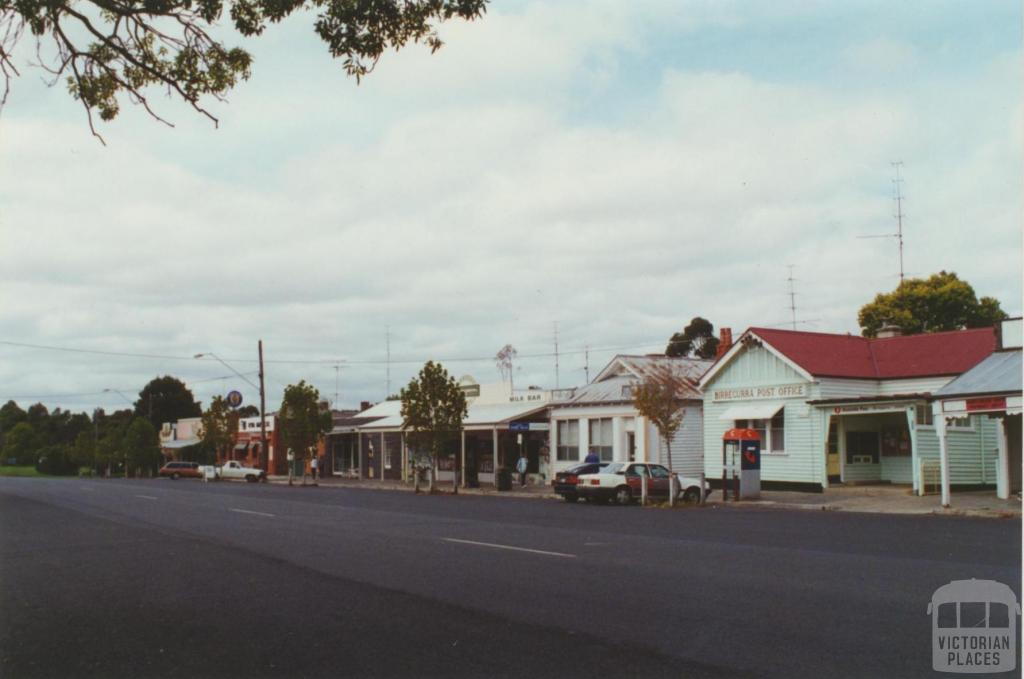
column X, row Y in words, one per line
column 27, row 470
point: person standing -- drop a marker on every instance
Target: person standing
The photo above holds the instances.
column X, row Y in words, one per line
column 521, row 466
column 314, row 464
column 592, row 456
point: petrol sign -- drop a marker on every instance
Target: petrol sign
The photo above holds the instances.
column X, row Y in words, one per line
column 234, row 398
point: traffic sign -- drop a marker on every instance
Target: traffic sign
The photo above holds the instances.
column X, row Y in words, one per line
column 234, row 398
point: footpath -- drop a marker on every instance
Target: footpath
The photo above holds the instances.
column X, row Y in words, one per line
column 878, row 499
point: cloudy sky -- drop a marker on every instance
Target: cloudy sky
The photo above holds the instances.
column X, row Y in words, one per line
column 613, row 168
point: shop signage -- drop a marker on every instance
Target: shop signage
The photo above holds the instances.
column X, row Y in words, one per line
column 869, row 408
column 760, row 393
column 234, row 398
column 519, row 426
column 526, row 397
column 990, row 403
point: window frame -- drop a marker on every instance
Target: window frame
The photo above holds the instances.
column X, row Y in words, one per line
column 765, row 428
column 567, row 452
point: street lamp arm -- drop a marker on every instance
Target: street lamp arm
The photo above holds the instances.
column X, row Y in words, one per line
column 240, row 375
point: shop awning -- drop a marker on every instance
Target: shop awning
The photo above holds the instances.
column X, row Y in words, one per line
column 180, row 443
column 241, row 446
column 752, row 411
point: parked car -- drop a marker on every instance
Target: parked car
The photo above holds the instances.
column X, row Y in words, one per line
column 566, row 480
column 622, row 482
column 237, row 470
column 177, row 470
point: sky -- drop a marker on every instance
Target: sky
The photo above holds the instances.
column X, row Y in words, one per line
column 590, row 172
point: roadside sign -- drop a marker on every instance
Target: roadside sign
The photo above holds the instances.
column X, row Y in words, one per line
column 519, row 426
column 234, row 398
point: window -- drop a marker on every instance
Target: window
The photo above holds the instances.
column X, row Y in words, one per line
column 392, row 449
column 923, row 416
column 601, row 438
column 772, row 432
column 777, row 440
column 568, row 440
column 960, row 423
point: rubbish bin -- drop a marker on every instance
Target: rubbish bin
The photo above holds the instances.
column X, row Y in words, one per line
column 503, row 479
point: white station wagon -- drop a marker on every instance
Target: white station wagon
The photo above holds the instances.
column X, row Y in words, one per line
column 623, row 482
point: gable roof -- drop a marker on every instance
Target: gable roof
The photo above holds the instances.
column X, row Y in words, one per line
column 933, row 354
column 611, row 385
column 822, row 354
column 1000, row 373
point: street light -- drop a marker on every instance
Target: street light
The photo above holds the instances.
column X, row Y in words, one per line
column 263, row 414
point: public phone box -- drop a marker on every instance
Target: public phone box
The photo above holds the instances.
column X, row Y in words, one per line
column 741, row 463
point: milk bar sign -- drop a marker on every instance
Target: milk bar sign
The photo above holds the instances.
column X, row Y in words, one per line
column 760, row 393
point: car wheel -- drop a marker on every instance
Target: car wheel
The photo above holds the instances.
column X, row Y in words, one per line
column 691, row 496
column 571, row 497
column 249, row 478
column 175, row 476
column 623, row 495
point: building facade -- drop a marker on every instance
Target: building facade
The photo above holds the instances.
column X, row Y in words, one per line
column 601, row 417
column 846, row 409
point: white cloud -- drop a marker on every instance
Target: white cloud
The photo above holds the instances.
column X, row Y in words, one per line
column 458, row 200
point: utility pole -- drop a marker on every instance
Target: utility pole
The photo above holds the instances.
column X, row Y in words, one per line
column 336, row 367
column 263, row 416
column 586, row 363
column 556, row 355
column 387, row 350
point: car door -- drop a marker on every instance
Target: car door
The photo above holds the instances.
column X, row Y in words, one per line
column 659, row 480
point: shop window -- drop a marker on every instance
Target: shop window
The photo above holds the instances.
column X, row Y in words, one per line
column 601, row 438
column 568, row 440
column 895, row 442
column 862, row 447
column 392, row 449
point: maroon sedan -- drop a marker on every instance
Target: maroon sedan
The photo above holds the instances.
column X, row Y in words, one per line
column 566, row 480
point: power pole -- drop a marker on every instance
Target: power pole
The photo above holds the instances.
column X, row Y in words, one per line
column 336, row 367
column 556, row 354
column 387, row 374
column 263, row 416
column 586, row 363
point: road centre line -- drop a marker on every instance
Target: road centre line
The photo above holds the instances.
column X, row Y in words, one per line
column 147, row 497
column 516, row 549
column 246, row 511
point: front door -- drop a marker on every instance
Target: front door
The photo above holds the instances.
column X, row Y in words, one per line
column 832, row 451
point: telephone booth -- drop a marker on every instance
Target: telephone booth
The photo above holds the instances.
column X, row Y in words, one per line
column 741, row 464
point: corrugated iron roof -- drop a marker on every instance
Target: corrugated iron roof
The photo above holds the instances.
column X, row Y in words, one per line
column 1000, row 373
column 931, row 354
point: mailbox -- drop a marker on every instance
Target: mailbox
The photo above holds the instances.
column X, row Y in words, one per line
column 741, row 463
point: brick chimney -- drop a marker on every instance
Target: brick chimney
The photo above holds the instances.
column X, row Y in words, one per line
column 724, row 342
column 889, row 330
column 364, row 405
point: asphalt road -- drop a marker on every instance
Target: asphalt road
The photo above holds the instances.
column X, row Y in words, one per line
column 115, row 578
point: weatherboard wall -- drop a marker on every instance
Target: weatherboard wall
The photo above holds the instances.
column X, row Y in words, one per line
column 803, row 459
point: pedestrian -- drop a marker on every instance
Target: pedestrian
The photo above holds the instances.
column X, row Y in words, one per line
column 521, row 466
column 592, row 456
column 313, row 466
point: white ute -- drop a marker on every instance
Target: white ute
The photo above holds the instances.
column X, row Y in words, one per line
column 236, row 470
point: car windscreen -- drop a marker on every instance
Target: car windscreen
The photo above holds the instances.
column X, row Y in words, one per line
column 588, row 468
column 613, row 468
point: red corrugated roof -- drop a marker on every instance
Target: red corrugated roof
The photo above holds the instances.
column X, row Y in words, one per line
column 827, row 355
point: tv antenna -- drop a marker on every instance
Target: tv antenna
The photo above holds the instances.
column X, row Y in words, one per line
column 792, row 295
column 387, row 361
column 556, row 354
column 897, row 196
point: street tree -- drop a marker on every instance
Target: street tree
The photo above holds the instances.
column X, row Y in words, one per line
column 302, row 422
column 83, row 452
column 938, row 303
column 10, row 415
column 217, row 428
column 109, row 51
column 141, row 446
column 659, row 397
column 21, row 444
column 697, row 339
column 166, row 399
column 433, row 407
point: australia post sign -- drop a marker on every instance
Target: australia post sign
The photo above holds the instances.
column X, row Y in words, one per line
column 758, row 393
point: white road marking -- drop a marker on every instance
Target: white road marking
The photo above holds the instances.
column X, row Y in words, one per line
column 516, row 549
column 246, row 511
column 147, row 497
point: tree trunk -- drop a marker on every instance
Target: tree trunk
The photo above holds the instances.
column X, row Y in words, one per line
column 671, row 474
column 433, row 472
